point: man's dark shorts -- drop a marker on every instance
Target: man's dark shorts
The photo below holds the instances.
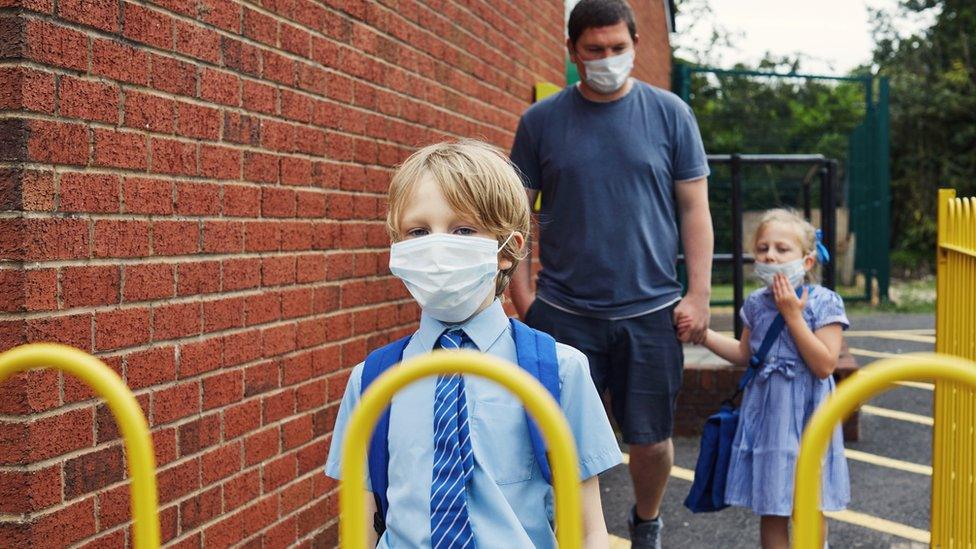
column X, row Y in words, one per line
column 638, row 360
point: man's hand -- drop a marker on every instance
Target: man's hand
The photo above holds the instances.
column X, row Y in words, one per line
column 691, row 316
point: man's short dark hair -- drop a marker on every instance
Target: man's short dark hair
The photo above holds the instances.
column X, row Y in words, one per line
column 599, row 13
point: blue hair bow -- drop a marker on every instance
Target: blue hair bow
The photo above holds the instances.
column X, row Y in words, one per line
column 822, row 254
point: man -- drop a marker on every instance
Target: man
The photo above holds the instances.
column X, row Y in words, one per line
column 618, row 162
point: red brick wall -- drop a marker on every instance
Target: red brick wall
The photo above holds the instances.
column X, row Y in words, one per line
column 653, row 61
column 193, row 191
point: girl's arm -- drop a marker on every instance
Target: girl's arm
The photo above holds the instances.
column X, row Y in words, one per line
column 734, row 351
column 594, row 528
column 819, row 349
column 371, row 538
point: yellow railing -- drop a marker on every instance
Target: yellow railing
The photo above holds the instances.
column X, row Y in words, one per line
column 868, row 382
column 135, row 432
column 540, row 404
column 954, row 436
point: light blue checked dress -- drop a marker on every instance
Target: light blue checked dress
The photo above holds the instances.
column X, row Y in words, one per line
column 775, row 408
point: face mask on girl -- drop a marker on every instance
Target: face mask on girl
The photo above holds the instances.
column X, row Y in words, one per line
column 793, row 270
column 449, row 275
column 609, row 74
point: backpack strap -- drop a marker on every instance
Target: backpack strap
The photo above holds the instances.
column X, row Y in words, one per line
column 378, row 456
column 536, row 352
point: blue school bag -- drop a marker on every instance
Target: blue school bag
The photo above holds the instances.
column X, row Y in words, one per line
column 707, row 492
column 536, row 353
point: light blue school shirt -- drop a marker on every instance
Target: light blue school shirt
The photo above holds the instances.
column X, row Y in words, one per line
column 509, row 502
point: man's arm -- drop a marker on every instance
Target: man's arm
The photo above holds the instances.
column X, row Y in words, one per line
column 522, row 292
column 698, row 243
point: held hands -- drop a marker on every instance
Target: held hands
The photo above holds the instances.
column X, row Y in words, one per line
column 691, row 318
column 788, row 304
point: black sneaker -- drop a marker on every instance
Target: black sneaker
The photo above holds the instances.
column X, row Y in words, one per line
column 644, row 534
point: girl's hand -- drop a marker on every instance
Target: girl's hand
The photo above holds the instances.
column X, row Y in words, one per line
column 786, row 301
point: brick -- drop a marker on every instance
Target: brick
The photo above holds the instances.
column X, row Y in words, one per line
column 221, row 463
column 223, row 236
column 262, row 308
column 62, row 527
column 261, row 378
column 27, row 89
column 199, row 357
column 260, row 167
column 279, row 136
column 92, row 471
column 121, row 238
column 278, row 68
column 311, row 395
column 240, row 200
column 241, row 128
column 147, row 26
column 201, row 277
column 164, row 443
column 59, row 434
column 173, row 157
column 225, row 533
column 176, row 402
column 220, row 87
column 120, row 149
column 175, row 321
column 117, row 538
column 47, row 43
column 296, row 236
column 199, row 510
column 172, row 75
column 296, row 368
column 101, row 14
column 220, row 162
column 296, row 40
column 89, row 100
column 147, row 196
column 241, row 418
column 278, row 270
column 260, row 515
column 149, row 112
column 296, row 495
column 239, row 56
column 198, row 42
column 91, row 285
column 118, row 61
column 224, row 14
column 121, row 328
column 260, row 27
column 148, row 282
column 57, row 142
column 12, row 290
column 258, row 97
column 262, row 446
column 261, row 236
column 242, row 489
column 296, row 432
column 241, row 347
column 311, row 204
column 197, row 199
column 151, row 367
column 278, row 406
column 201, row 433
column 113, row 507
column 279, row 472
column 240, row 274
column 178, row 480
column 27, row 491
column 175, row 237
column 310, row 333
column 296, row 303
column 278, row 202
column 223, row 314
column 73, row 330
column 222, row 389
column 89, row 192
column 197, row 121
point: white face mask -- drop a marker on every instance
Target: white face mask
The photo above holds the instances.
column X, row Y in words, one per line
column 450, row 276
column 609, row 74
column 793, row 270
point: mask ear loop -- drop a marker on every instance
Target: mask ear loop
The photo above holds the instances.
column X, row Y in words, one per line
column 502, row 247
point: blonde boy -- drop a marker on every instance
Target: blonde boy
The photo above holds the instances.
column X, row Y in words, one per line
column 461, row 463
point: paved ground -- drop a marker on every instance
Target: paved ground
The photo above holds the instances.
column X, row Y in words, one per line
column 879, row 493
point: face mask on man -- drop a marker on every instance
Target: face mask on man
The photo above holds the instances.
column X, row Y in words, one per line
column 450, row 276
column 609, row 74
column 794, row 271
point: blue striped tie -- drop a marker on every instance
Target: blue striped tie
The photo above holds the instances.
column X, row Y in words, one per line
column 450, row 526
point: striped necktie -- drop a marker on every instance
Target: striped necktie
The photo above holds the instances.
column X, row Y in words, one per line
column 450, row 526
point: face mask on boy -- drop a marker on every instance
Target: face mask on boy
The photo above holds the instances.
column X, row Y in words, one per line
column 449, row 275
column 609, row 74
column 793, row 270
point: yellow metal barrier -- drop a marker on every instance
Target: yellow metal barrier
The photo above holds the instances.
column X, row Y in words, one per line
column 540, row 404
column 868, row 382
column 135, row 432
column 954, row 436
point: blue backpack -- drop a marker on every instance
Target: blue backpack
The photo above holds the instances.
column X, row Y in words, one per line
column 536, row 353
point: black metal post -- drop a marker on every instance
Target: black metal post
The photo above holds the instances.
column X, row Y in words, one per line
column 806, row 197
column 828, row 221
column 736, row 162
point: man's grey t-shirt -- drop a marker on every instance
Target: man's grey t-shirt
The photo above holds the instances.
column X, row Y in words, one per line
column 607, row 172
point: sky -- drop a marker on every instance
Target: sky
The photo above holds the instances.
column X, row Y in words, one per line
column 835, row 35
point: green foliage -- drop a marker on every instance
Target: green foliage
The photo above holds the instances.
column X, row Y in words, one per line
column 933, row 116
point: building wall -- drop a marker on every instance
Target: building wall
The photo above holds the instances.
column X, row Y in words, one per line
column 194, row 192
column 653, row 61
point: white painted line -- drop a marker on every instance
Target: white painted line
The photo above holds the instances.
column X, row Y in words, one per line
column 892, row 334
column 850, row 517
column 891, row 463
column 874, row 354
column 917, row 385
column 618, row 542
column 897, row 414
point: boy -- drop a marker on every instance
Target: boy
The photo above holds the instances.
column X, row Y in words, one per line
column 458, row 218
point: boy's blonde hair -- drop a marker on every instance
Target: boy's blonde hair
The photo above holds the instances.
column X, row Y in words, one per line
column 806, row 234
column 478, row 181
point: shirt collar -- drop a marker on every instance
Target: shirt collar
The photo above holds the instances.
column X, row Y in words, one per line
column 483, row 329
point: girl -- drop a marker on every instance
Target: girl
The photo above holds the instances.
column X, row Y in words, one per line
column 793, row 380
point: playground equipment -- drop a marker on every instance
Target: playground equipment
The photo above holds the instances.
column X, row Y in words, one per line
column 540, row 404
column 132, row 424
